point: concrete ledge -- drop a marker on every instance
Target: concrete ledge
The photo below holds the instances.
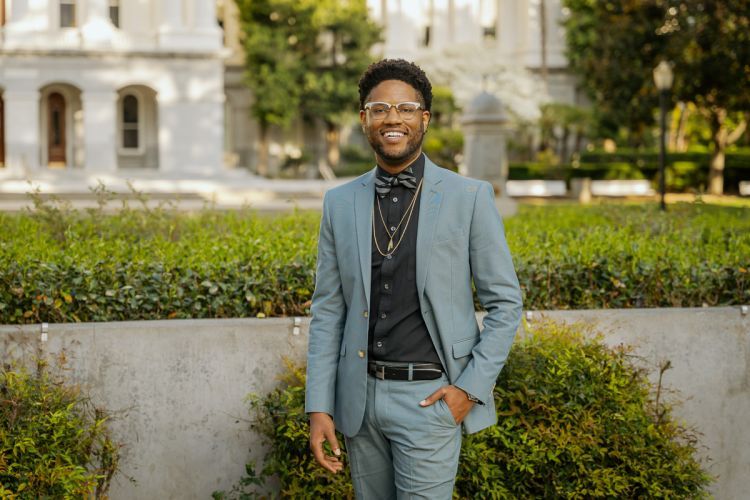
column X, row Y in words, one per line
column 744, row 188
column 178, row 387
column 535, row 188
column 622, row 188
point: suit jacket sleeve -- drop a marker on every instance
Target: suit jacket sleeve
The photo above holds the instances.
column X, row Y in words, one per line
column 327, row 324
column 498, row 291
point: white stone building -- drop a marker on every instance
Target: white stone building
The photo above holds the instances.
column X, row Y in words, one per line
column 102, row 86
column 137, row 88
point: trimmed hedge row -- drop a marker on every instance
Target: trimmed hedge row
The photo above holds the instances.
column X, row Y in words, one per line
column 576, row 420
column 74, row 267
column 684, row 171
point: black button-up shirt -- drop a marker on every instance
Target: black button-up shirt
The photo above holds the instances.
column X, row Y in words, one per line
column 397, row 330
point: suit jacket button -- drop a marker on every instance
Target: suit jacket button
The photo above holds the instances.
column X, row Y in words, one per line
column 364, row 314
column 361, row 354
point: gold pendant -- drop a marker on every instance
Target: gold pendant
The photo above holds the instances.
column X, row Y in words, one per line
column 390, row 245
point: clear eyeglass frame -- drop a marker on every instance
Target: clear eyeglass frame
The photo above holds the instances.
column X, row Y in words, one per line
column 379, row 110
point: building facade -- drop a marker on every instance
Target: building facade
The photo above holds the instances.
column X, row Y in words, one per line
column 108, row 85
column 143, row 86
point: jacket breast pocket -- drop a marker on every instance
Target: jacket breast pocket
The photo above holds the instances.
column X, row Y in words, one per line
column 449, row 234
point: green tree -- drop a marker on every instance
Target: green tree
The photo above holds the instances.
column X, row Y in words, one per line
column 330, row 93
column 303, row 59
column 712, row 69
column 278, row 37
column 613, row 47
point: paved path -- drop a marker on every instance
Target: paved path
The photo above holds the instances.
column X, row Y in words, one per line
column 230, row 190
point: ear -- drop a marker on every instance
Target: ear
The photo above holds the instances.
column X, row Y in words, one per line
column 363, row 118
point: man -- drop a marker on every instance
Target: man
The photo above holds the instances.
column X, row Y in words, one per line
column 396, row 358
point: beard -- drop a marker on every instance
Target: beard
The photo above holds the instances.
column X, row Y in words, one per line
column 413, row 144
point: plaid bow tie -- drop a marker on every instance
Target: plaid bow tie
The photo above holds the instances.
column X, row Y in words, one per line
column 384, row 182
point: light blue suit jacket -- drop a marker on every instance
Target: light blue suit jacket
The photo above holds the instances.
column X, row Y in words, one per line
column 460, row 237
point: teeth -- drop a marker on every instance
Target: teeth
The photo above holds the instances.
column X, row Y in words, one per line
column 394, row 134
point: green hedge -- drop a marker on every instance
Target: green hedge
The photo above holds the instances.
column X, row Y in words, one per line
column 576, row 420
column 53, row 442
column 77, row 266
column 685, row 171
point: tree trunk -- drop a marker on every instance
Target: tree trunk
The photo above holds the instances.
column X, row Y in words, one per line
column 677, row 140
column 719, row 139
column 564, row 145
column 543, row 41
column 262, row 166
column 332, row 144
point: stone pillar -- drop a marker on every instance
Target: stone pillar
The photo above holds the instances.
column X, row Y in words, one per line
column 97, row 29
column 26, row 18
column 22, row 136
column 205, row 23
column 485, row 155
column 100, row 130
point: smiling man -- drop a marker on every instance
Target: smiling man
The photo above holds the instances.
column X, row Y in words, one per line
column 396, row 359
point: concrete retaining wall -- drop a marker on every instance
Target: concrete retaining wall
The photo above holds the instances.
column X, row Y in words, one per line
column 179, row 386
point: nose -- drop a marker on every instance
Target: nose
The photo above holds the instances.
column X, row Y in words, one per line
column 393, row 116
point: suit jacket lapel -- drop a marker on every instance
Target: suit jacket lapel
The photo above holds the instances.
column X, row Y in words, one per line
column 363, row 203
column 429, row 208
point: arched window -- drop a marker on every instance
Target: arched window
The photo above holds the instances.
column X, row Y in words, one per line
column 130, row 122
column 114, row 12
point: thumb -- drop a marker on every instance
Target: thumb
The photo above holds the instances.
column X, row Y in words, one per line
column 331, row 438
column 432, row 398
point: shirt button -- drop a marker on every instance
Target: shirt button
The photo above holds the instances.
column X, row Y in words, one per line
column 383, row 316
column 364, row 314
column 395, row 199
column 387, row 286
column 389, row 256
column 393, row 228
column 379, row 344
column 361, row 354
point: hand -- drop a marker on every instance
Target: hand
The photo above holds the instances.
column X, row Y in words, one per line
column 322, row 429
column 457, row 400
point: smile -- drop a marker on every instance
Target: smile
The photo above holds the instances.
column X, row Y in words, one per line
column 393, row 135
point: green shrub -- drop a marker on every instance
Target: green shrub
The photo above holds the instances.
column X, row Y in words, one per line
column 137, row 265
column 53, row 442
column 576, row 420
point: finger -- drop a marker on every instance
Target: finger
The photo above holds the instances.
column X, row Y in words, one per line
column 317, row 449
column 433, row 397
column 331, row 438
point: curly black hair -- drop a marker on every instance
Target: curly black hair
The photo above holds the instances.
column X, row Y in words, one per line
column 395, row 69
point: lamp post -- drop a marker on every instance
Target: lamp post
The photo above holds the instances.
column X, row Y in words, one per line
column 663, row 79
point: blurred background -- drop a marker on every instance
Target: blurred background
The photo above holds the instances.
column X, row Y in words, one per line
column 252, row 89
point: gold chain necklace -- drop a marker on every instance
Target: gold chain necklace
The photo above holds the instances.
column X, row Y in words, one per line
column 409, row 211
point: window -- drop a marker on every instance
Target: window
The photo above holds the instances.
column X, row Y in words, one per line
column 2, row 12
column 130, row 122
column 67, row 13
column 114, row 12
column 426, row 37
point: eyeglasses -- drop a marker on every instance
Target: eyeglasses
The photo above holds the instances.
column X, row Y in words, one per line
column 379, row 110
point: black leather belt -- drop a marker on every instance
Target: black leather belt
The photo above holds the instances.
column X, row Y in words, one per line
column 404, row 371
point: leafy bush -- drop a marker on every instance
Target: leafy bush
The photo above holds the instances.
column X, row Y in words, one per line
column 53, row 442
column 576, row 420
column 151, row 264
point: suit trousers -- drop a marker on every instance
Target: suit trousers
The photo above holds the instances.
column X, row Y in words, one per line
column 404, row 450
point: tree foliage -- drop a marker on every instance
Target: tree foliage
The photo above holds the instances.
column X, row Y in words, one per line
column 614, row 46
column 304, row 58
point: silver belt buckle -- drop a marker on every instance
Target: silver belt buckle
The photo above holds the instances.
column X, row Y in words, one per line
column 380, row 372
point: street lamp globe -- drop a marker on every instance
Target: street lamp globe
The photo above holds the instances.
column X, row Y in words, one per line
column 663, row 76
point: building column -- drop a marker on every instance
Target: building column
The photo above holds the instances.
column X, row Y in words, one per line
column 206, row 24
column 97, row 29
column 22, row 135
column 100, row 130
column 26, row 17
